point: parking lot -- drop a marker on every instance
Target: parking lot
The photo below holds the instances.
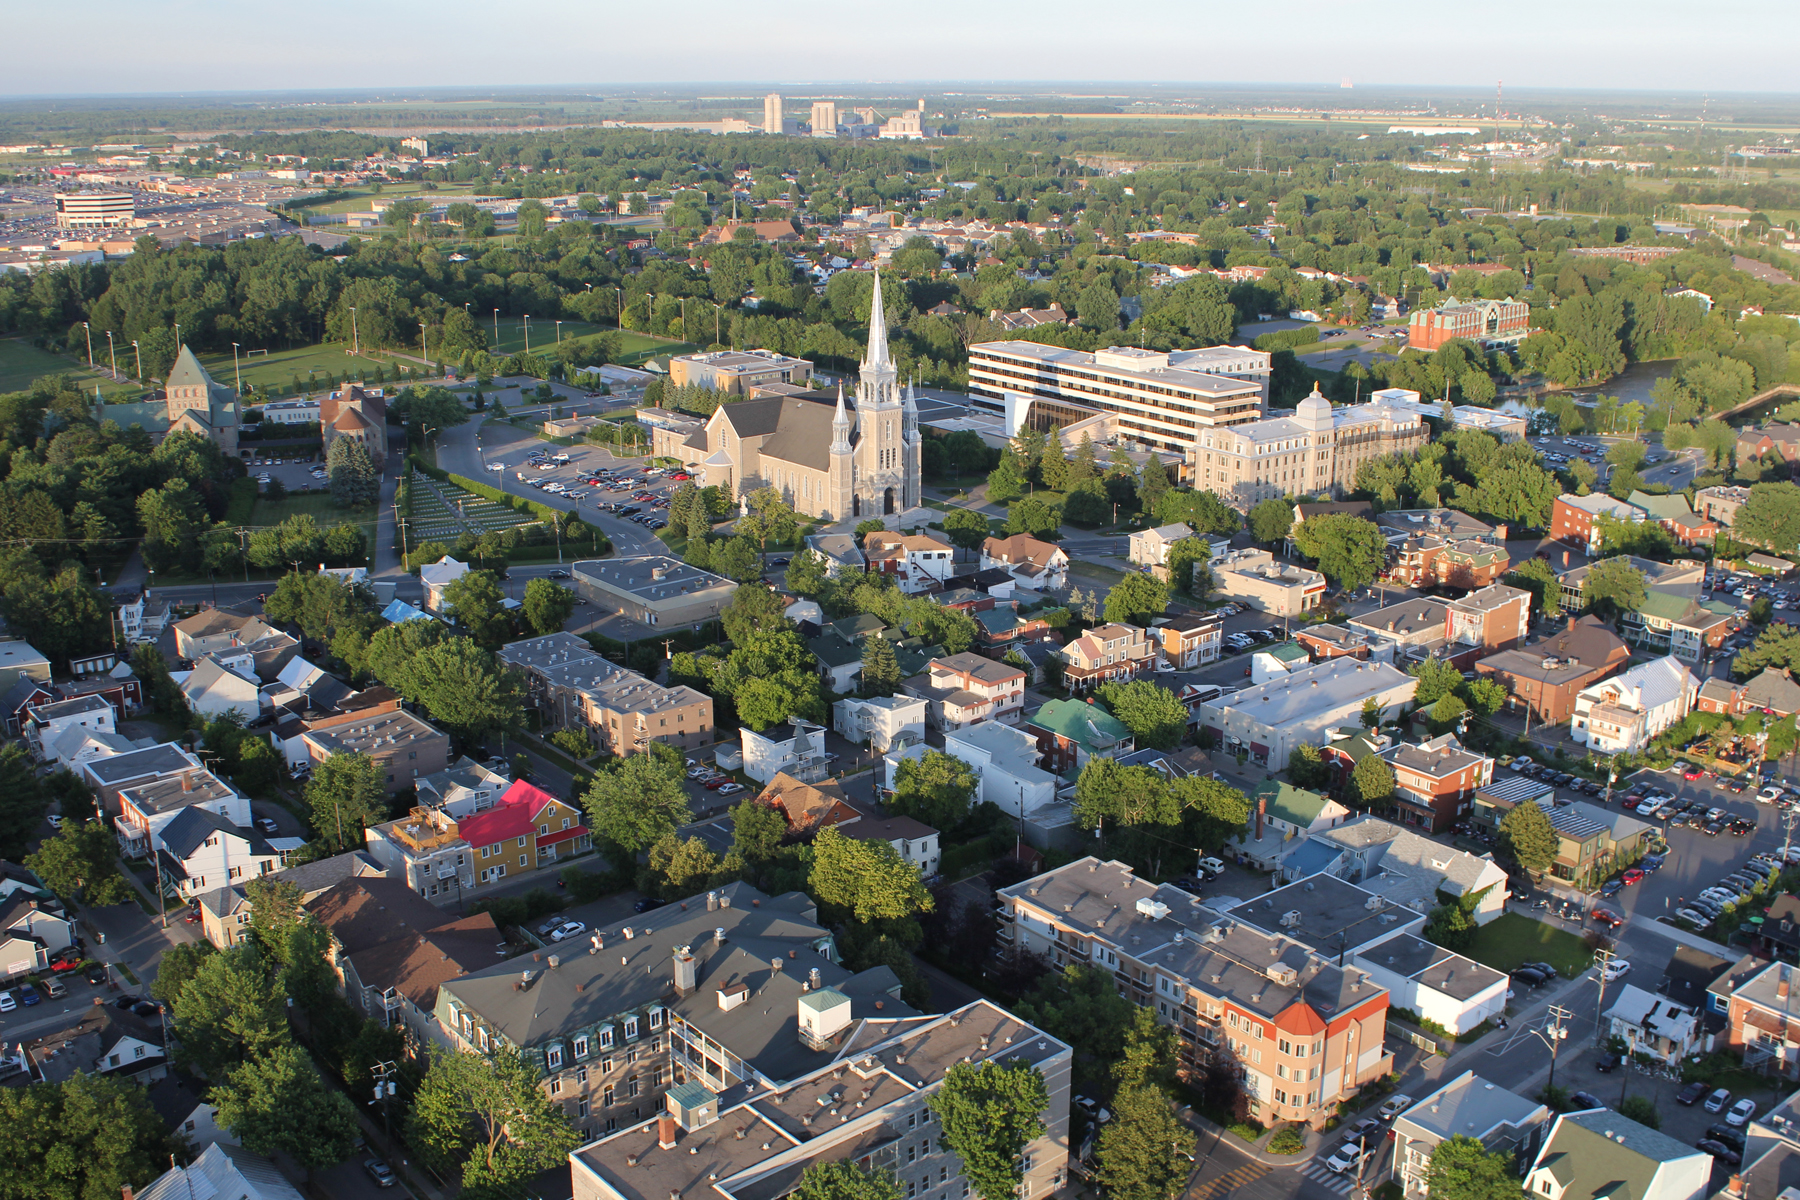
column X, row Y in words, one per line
column 296, row 474
column 636, row 493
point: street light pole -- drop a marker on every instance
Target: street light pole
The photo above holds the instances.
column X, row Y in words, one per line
column 90, row 343
column 528, row 333
column 237, row 370
column 113, row 355
column 140, row 361
column 355, row 337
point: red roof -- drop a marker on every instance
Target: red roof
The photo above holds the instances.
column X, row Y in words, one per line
column 513, row 817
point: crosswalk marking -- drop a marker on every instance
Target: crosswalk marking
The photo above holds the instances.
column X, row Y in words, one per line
column 1224, row 1185
column 1319, row 1174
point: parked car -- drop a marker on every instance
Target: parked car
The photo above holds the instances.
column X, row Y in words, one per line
column 1581, row 1100
column 1529, row 976
column 380, row 1172
column 1615, row 969
column 1718, row 1100
column 646, row 904
column 1608, row 1062
column 567, row 930
column 1690, row 1095
column 1720, row 1151
column 1393, row 1106
column 1741, row 1112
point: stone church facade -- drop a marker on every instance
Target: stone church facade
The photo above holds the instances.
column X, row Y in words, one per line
column 837, row 463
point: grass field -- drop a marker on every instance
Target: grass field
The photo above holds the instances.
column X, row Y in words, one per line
column 1511, row 939
column 279, row 368
column 507, row 336
column 21, row 362
column 358, row 201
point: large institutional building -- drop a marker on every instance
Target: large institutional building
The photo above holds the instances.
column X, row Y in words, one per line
column 836, row 464
column 1315, row 452
column 95, row 210
column 1486, row 322
column 1162, row 400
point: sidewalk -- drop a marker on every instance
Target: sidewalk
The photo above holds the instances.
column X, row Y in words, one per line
column 1314, row 1142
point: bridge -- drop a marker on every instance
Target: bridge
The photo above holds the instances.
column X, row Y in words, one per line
column 1761, row 398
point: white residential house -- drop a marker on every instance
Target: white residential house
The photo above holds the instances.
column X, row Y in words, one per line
column 795, row 746
column 1150, row 547
column 222, row 1171
column 213, row 689
column 436, row 577
column 464, row 789
column 1006, row 759
column 1441, row 986
column 78, row 746
column 1622, row 714
column 144, row 619
column 1654, row 1025
column 918, row 563
column 45, row 724
column 1467, row 1106
column 881, row 722
column 1037, row 565
column 199, row 850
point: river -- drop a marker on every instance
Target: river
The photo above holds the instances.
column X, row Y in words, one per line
column 1633, row 383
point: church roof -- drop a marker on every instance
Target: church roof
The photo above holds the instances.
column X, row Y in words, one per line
column 754, row 418
column 187, row 371
column 350, row 419
column 803, row 433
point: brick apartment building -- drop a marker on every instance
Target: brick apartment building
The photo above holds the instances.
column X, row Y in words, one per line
column 1306, row 1032
column 1545, row 679
column 1479, row 321
column 574, row 687
column 1572, row 518
column 1435, row 781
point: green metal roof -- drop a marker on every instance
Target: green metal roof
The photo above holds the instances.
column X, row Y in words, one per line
column 1661, row 507
column 1072, row 719
column 1668, row 606
column 1289, row 652
column 1296, row 806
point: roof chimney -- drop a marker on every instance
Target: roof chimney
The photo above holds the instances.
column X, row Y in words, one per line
column 187, row 781
column 685, row 971
column 665, row 1132
column 1782, row 986
column 1571, row 624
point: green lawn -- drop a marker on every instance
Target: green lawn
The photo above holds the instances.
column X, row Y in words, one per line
column 507, row 336
column 21, row 362
column 279, row 368
column 1511, row 939
column 359, row 199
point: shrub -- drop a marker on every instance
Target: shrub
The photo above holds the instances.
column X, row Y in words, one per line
column 1289, row 1139
column 573, row 741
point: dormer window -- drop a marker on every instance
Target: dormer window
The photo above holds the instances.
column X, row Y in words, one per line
column 631, row 1028
column 553, row 1057
column 581, row 1046
column 606, row 1037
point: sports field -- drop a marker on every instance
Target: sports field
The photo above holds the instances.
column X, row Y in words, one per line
column 21, row 362
column 279, row 368
column 507, row 335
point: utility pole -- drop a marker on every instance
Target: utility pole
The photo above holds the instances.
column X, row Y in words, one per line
column 384, row 1073
column 113, row 355
column 90, row 343
column 237, row 370
column 140, row 361
column 1554, row 1035
column 355, row 337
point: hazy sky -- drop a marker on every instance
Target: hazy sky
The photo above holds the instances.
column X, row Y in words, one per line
column 109, row 46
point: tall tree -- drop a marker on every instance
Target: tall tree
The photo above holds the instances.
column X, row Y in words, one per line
column 1536, row 576
column 868, row 879
column 229, row 1011
column 1349, row 550
column 86, row 1138
column 547, row 606
column 355, row 483
column 1464, row 1169
column 479, row 607
column 844, row 1180
column 275, row 1103
column 754, row 608
column 1081, row 1007
column 489, row 1116
column 1372, row 782
column 880, row 667
column 468, row 690
column 966, row 528
column 1155, row 715
column 274, row 912
column 1614, row 586
column 989, row 1114
column 1137, row 599
column 936, row 788
column 1770, row 517
column 22, row 802
column 82, row 863
column 636, row 800
column 347, row 794
column 1271, row 520
column 1527, row 836
column 1142, row 1154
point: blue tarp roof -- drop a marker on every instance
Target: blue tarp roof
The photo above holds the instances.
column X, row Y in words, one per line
column 400, row 611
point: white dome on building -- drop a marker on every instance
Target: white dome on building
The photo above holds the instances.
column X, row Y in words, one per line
column 1315, row 411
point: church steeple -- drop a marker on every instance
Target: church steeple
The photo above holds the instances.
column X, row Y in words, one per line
column 910, row 415
column 878, row 344
column 840, row 426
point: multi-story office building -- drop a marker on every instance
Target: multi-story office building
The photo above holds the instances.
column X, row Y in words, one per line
column 1306, row 1032
column 1161, row 400
column 1315, row 452
column 1484, row 322
column 95, row 210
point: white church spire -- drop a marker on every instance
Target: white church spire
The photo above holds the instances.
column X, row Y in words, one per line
column 878, row 344
column 910, row 414
column 840, row 426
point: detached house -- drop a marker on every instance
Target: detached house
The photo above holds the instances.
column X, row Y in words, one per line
column 1037, row 565
column 917, row 563
column 963, row 689
column 1105, row 653
column 198, row 850
column 1150, row 547
column 1599, row 1155
column 1622, row 714
column 1435, row 781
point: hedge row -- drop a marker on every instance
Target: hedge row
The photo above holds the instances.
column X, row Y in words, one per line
column 1287, row 339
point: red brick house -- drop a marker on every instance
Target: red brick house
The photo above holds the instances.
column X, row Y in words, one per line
column 1435, row 781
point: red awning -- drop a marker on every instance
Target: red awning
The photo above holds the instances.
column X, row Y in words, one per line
column 561, row 835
